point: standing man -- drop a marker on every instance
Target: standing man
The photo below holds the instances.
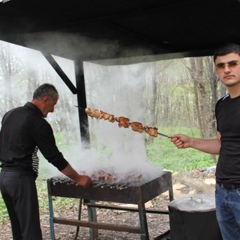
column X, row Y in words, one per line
column 227, row 143
column 24, row 131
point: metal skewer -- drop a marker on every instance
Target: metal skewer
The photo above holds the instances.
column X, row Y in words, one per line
column 79, row 107
column 161, row 134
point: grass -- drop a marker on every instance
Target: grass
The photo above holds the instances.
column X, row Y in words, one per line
column 3, row 212
column 165, row 155
column 162, row 153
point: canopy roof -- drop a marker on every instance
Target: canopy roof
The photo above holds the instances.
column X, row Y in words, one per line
column 100, row 29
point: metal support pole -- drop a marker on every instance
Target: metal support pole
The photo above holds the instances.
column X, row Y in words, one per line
column 143, row 220
column 50, row 202
column 60, row 72
column 92, row 217
column 79, row 217
column 171, row 197
column 82, row 103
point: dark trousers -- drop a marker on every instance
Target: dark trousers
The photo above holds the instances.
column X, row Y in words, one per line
column 20, row 195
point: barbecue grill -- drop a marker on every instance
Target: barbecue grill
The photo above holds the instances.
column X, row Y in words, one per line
column 128, row 192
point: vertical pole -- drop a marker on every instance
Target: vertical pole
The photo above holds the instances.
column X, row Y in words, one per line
column 143, row 218
column 79, row 217
column 82, row 104
column 92, row 217
column 84, row 131
column 171, row 197
column 50, row 202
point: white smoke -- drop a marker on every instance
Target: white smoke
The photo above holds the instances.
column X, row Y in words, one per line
column 118, row 90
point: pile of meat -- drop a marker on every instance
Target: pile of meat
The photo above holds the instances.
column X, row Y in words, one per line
column 122, row 122
column 111, row 177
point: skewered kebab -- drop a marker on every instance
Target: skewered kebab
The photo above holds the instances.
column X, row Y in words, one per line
column 137, row 127
column 124, row 122
column 94, row 113
column 152, row 131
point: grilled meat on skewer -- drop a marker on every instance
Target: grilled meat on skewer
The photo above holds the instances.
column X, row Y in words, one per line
column 111, row 119
column 152, row 131
column 124, row 122
column 94, row 113
column 137, row 127
column 107, row 116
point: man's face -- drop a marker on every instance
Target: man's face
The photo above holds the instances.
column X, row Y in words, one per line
column 48, row 106
column 228, row 69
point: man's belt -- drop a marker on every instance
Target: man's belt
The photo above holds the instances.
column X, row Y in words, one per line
column 231, row 186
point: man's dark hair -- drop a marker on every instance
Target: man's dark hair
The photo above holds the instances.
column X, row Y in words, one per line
column 226, row 49
column 46, row 89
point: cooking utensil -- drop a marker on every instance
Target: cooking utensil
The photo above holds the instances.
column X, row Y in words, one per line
column 164, row 135
column 161, row 134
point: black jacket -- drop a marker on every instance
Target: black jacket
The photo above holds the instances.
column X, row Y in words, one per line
column 23, row 130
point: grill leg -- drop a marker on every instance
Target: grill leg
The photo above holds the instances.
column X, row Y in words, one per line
column 171, row 197
column 143, row 221
column 51, row 217
column 79, row 217
column 92, row 217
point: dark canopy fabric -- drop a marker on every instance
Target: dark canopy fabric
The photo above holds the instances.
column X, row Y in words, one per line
column 99, row 29
column 87, row 30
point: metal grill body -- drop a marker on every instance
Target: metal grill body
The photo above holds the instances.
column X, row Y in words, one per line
column 119, row 193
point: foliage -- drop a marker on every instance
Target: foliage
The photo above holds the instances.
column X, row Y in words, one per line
column 3, row 211
column 165, row 155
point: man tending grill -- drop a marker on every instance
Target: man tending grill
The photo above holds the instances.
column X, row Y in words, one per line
column 24, row 131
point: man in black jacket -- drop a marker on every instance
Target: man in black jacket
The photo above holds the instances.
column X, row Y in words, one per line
column 24, row 131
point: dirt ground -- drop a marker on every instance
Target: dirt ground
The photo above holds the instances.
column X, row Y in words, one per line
column 198, row 182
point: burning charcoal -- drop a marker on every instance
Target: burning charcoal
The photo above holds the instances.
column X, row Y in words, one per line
column 105, row 186
column 98, row 184
column 123, row 186
column 70, row 182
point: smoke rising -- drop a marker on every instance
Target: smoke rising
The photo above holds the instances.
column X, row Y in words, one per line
column 78, row 47
column 119, row 90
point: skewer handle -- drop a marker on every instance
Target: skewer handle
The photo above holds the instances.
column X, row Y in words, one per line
column 161, row 134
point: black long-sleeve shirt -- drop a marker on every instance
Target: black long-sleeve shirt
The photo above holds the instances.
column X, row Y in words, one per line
column 23, row 131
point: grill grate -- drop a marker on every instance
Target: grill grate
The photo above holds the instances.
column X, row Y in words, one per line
column 102, row 190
